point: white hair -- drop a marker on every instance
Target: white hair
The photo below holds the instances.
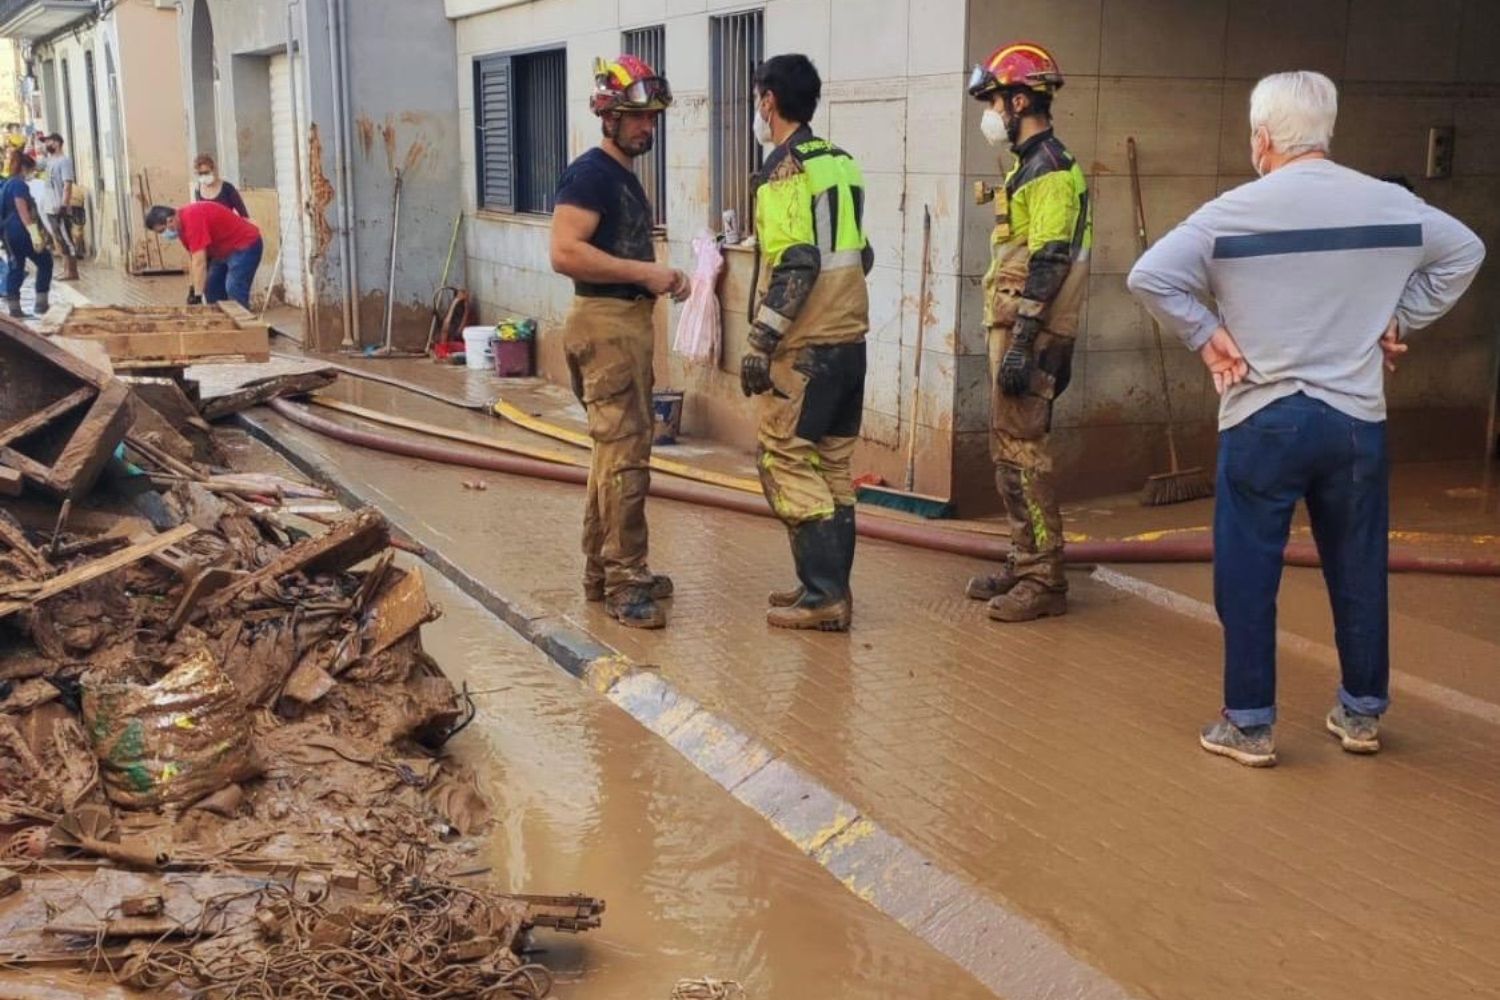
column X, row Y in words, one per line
column 1297, row 109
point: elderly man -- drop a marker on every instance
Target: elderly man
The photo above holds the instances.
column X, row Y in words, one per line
column 1318, row 273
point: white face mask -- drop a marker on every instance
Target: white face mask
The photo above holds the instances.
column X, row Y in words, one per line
column 993, row 127
column 762, row 129
column 205, row 180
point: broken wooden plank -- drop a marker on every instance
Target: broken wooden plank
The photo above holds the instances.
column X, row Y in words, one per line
column 167, row 397
column 347, row 544
column 11, row 481
column 151, row 337
column 272, row 387
column 151, row 425
column 99, row 567
column 15, row 539
column 41, row 418
column 30, row 694
column 396, row 610
column 142, row 906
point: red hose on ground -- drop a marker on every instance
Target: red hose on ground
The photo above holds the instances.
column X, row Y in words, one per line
column 923, row 536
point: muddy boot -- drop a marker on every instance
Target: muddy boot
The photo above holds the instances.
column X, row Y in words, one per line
column 817, row 547
column 988, row 586
column 635, row 607
column 13, row 305
column 1027, row 601
column 844, row 519
column 661, row 588
column 790, row 596
column 1253, row 746
column 43, row 303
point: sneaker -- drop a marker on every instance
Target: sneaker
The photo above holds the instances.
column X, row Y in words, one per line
column 1358, row 733
column 635, row 608
column 1253, row 746
column 661, row 588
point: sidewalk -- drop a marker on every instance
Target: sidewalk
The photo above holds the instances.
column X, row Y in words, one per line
column 1052, row 769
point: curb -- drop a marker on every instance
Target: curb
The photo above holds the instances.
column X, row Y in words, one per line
column 1003, row 949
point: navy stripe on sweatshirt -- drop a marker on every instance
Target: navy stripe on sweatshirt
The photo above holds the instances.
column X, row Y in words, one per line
column 1317, row 241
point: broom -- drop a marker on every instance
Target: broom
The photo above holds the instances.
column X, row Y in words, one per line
column 1177, row 484
column 908, row 500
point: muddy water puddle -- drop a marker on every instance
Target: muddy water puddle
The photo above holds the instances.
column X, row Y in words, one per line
column 697, row 885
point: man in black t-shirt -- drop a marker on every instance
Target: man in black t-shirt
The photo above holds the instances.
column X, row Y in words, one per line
column 601, row 238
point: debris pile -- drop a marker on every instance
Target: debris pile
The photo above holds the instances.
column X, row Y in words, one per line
column 221, row 740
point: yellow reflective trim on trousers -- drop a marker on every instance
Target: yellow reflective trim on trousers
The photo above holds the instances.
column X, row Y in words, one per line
column 1039, row 533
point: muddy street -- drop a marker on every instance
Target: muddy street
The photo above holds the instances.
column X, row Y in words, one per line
column 697, row 884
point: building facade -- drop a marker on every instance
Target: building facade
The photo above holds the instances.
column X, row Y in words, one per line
column 1175, row 74
column 314, row 108
column 105, row 77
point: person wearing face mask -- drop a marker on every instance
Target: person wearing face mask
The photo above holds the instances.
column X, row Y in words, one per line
column 63, row 182
column 20, row 227
column 1297, row 290
column 602, row 239
column 209, row 186
column 1033, row 292
column 806, row 362
column 212, row 234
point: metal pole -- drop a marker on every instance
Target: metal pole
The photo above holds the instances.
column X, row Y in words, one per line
column 390, row 288
column 338, row 27
column 309, row 331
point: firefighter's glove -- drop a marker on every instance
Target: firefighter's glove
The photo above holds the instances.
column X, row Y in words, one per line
column 755, row 373
column 194, row 299
column 1019, row 360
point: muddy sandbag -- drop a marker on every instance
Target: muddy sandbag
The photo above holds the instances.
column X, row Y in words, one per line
column 172, row 742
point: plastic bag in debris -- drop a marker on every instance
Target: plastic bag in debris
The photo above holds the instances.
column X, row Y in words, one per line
column 697, row 337
column 172, row 742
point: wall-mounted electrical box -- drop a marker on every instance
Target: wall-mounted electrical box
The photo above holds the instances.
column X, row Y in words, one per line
column 1439, row 152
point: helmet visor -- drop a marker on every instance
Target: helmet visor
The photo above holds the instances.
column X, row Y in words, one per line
column 981, row 80
column 653, row 92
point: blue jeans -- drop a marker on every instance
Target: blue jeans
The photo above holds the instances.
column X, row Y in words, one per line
column 231, row 277
column 20, row 249
column 1301, row 449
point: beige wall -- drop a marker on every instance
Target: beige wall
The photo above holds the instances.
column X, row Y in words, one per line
column 11, row 106
column 1177, row 75
column 893, row 96
column 154, row 112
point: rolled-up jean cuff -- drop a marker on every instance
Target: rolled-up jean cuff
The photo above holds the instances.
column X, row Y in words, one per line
column 1246, row 717
column 1368, row 705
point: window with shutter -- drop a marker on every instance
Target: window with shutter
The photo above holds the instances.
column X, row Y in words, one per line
column 492, row 133
column 651, row 45
column 521, row 129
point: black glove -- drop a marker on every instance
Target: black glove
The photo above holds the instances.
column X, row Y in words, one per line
column 194, row 299
column 1019, row 359
column 755, row 373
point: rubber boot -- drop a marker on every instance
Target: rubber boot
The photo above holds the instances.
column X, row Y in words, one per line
column 13, row 305
column 43, row 303
column 844, row 516
column 818, row 547
column 790, row 596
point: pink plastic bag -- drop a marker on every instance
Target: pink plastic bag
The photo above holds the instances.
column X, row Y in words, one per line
column 697, row 337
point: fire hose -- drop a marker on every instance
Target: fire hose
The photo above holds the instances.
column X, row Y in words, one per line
column 917, row 535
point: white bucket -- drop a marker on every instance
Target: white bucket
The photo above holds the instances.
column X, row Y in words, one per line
column 477, row 351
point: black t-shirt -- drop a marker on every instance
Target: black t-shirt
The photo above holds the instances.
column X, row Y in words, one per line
column 596, row 182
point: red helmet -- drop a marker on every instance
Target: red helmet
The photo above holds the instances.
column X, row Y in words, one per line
column 628, row 84
column 1021, row 64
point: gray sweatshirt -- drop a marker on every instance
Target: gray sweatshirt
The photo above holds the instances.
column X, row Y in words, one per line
column 1307, row 266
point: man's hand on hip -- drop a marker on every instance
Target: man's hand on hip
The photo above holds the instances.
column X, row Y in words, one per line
column 1391, row 346
column 1224, row 360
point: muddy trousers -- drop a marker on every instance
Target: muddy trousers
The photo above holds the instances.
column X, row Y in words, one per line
column 809, row 424
column 1019, row 430
column 608, row 344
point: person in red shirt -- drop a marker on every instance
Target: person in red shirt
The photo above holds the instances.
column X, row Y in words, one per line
column 211, row 234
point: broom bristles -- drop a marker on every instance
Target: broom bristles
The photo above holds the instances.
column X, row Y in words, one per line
column 1177, row 487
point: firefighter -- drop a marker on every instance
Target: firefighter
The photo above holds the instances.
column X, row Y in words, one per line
column 1033, row 290
column 601, row 238
column 806, row 362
